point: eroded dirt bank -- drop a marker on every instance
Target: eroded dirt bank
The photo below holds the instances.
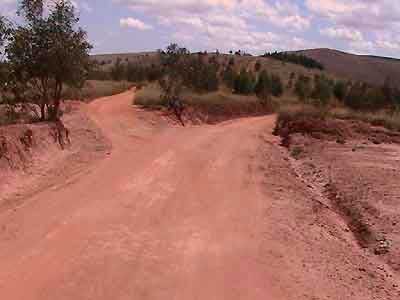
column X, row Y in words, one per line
column 31, row 158
column 206, row 212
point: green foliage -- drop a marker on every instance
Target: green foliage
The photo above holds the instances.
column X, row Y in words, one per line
column 323, row 89
column 229, row 76
column 361, row 96
column 244, row 83
column 340, row 90
column 276, row 85
column 174, row 62
column 296, row 59
column 267, row 86
column 201, row 76
column 263, row 88
column 47, row 53
column 303, row 88
column 118, row 71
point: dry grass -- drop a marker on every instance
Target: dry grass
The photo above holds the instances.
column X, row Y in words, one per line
column 150, row 96
column 95, row 89
column 212, row 107
column 383, row 118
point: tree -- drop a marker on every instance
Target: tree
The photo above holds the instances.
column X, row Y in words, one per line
column 303, row 88
column 340, row 90
column 174, row 61
column 263, row 88
column 355, row 98
column 49, row 52
column 118, row 70
column 276, row 85
column 322, row 90
column 244, row 82
column 267, row 86
column 229, row 76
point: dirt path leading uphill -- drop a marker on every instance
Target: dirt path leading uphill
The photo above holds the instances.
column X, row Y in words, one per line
column 208, row 212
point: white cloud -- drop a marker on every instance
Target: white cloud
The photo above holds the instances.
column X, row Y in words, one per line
column 343, row 33
column 225, row 24
column 133, row 23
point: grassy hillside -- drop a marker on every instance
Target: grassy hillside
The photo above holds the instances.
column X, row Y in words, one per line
column 284, row 70
column 371, row 69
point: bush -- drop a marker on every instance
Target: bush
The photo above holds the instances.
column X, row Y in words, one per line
column 340, row 90
column 323, row 90
column 268, row 86
column 244, row 83
column 303, row 88
column 228, row 76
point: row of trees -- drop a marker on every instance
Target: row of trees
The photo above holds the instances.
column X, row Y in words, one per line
column 356, row 95
column 43, row 55
column 296, row 59
column 246, row 82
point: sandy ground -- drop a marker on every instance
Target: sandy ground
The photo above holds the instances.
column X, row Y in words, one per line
column 205, row 212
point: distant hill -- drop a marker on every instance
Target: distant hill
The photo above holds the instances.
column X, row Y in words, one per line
column 371, row 69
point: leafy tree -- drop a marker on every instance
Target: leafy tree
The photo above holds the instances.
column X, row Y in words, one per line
column 263, row 88
column 49, row 52
column 322, row 90
column 200, row 75
column 267, row 86
column 355, row 98
column 276, row 85
column 174, row 61
column 118, row 71
column 229, row 76
column 340, row 90
column 303, row 88
column 244, row 82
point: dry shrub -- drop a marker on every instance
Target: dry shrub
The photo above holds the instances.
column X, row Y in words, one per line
column 208, row 107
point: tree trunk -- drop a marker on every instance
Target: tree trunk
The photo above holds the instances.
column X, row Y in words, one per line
column 42, row 112
column 56, row 110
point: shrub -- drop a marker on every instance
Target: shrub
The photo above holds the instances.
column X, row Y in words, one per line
column 340, row 90
column 322, row 90
column 303, row 88
column 229, row 76
column 244, row 83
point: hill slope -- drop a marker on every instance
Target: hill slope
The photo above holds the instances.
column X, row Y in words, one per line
column 371, row 69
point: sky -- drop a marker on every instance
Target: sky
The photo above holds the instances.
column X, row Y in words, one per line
column 253, row 26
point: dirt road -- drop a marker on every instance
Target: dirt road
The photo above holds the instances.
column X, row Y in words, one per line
column 207, row 212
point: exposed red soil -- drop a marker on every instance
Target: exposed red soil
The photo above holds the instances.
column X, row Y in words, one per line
column 355, row 167
column 29, row 165
column 207, row 212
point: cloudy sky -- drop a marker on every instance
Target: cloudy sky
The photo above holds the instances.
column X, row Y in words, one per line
column 256, row 26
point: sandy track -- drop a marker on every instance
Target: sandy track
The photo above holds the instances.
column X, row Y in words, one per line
column 208, row 212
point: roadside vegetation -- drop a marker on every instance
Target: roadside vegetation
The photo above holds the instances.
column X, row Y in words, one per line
column 45, row 60
column 41, row 57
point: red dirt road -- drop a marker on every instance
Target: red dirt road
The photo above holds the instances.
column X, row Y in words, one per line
column 207, row 212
